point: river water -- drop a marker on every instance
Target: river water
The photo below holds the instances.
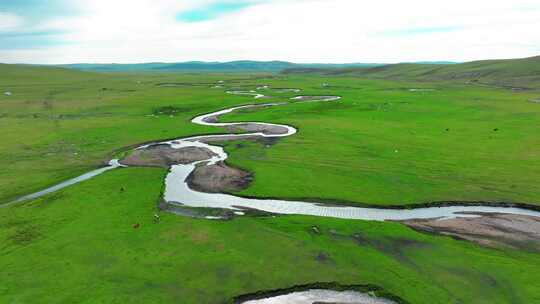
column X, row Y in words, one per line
column 321, row 296
column 178, row 192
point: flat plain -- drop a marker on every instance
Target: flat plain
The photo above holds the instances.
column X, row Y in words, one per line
column 386, row 143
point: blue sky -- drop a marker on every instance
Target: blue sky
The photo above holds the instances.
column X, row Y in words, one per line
column 29, row 40
column 38, row 10
column 211, row 11
column 31, row 13
column 66, row 31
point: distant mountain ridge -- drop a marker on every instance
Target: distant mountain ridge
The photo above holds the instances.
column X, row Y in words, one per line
column 194, row 66
column 523, row 73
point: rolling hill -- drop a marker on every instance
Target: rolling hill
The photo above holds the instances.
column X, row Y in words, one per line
column 17, row 73
column 516, row 73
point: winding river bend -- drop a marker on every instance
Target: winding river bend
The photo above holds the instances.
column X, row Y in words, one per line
column 177, row 191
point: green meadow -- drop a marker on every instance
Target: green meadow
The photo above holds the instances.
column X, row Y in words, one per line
column 381, row 144
column 80, row 246
column 384, row 144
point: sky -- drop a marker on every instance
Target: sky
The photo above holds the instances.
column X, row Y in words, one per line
column 303, row 31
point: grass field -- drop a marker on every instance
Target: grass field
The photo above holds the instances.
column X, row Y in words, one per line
column 381, row 144
column 80, row 246
column 59, row 123
column 510, row 73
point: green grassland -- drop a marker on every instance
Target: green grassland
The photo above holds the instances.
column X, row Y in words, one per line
column 79, row 246
column 381, row 144
column 511, row 73
column 60, row 123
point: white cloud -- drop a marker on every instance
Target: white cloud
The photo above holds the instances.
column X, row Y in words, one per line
column 301, row 31
column 9, row 21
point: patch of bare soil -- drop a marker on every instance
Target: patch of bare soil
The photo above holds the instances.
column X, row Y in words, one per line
column 218, row 178
column 217, row 139
column 492, row 230
column 165, row 156
column 266, row 129
column 211, row 119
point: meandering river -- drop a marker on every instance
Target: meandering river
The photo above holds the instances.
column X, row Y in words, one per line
column 177, row 191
